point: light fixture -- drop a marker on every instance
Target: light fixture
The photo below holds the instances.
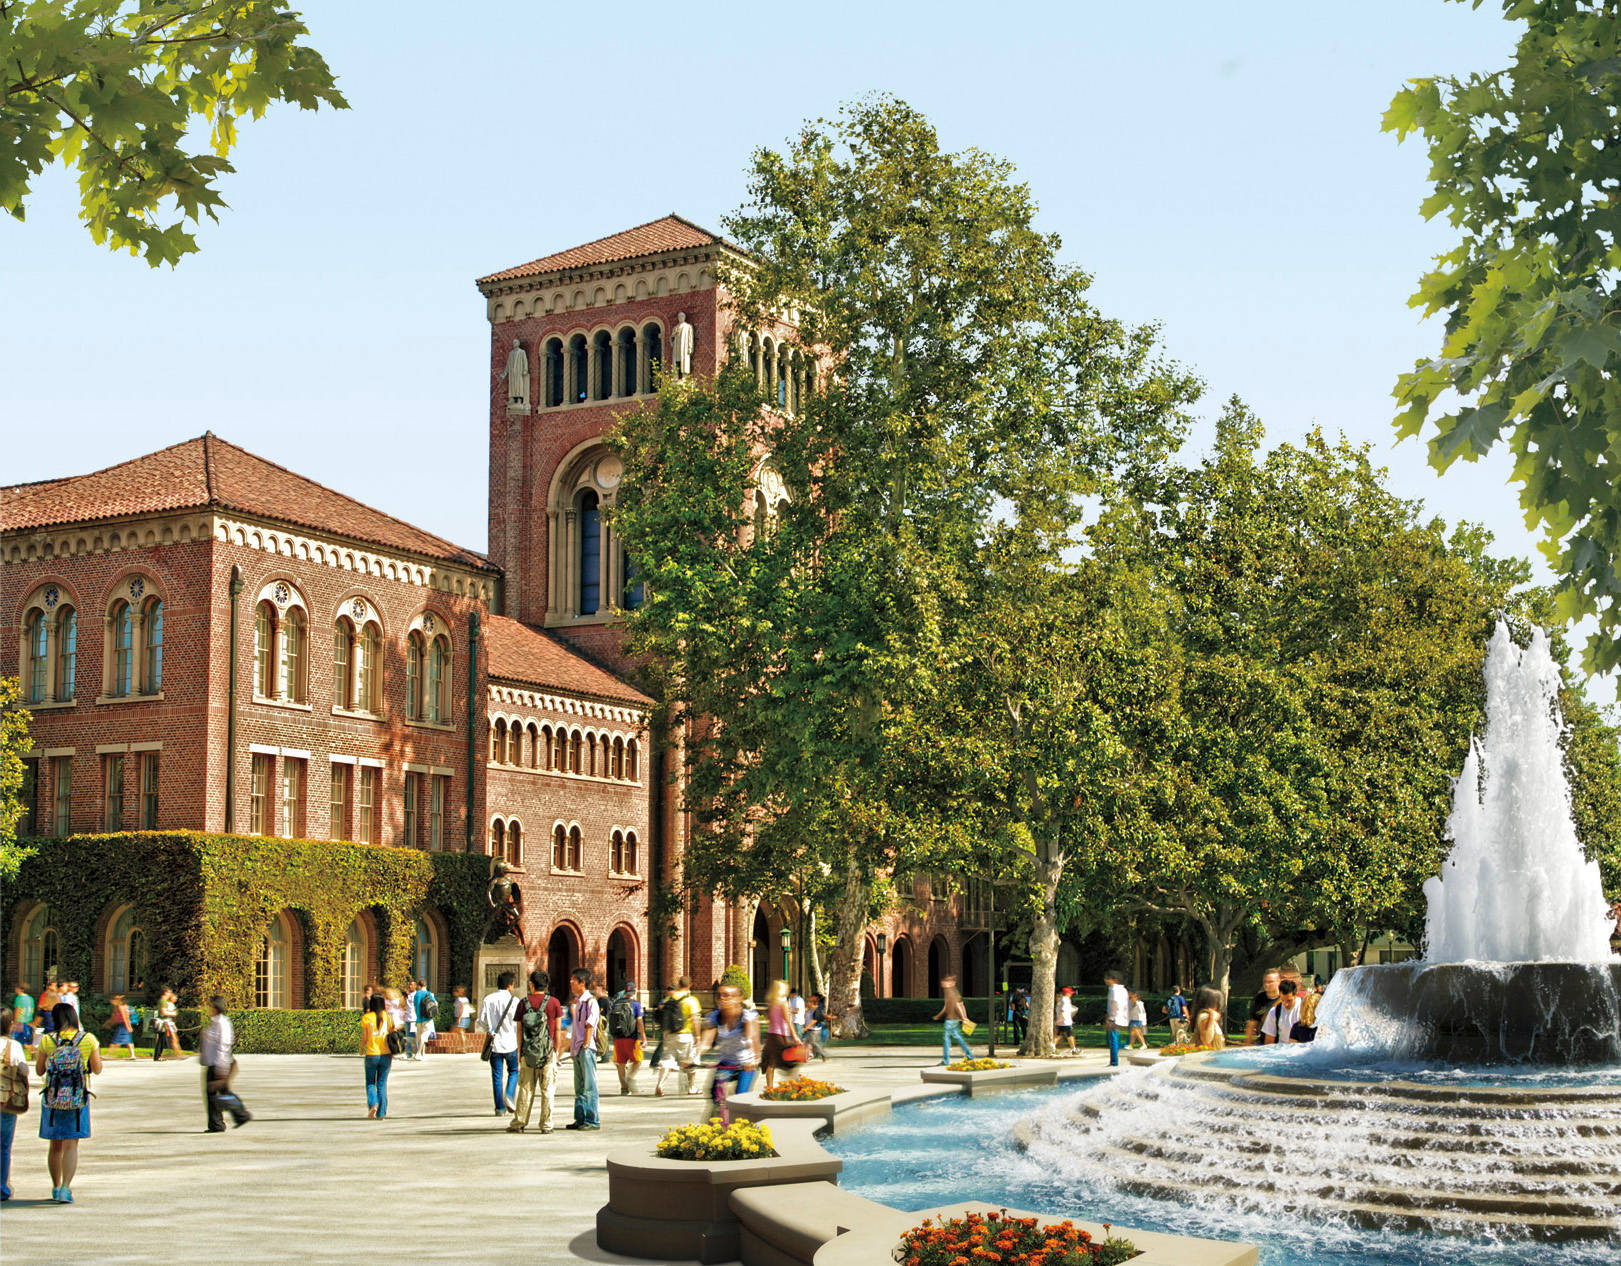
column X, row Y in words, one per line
column 883, row 942
column 787, row 939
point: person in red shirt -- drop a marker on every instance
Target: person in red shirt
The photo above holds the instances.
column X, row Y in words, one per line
column 537, row 1056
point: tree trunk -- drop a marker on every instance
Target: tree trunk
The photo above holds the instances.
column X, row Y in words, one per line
column 1038, row 1036
column 844, row 961
column 818, row 980
column 742, row 950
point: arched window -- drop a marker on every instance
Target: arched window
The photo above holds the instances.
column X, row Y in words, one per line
column 354, row 966
column 627, row 362
column 121, row 629
column 630, row 760
column 413, row 676
column 576, row 751
column 498, row 741
column 619, row 758
column 67, row 652
column 579, row 355
column 515, row 844
column 590, row 556
column 547, row 753
column 794, row 376
column 559, row 847
column 369, row 688
column 616, row 853
column 39, row 946
column 38, row 661
column 560, row 759
column 552, row 373
column 264, row 651
column 515, row 744
column 271, row 967
column 498, row 840
column 781, row 375
column 425, row 951
column 534, row 746
column 439, row 681
column 602, row 355
column 152, row 646
column 633, row 860
column 126, row 952
column 343, row 661
column 574, row 848
column 591, row 755
column 295, row 656
column 652, row 356
column 754, row 356
column 630, row 583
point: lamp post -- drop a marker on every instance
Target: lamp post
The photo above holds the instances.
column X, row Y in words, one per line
column 878, row 985
column 787, row 944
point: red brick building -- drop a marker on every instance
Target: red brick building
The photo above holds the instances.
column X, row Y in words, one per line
column 210, row 641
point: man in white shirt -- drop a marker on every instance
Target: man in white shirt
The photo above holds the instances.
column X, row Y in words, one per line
column 1116, row 1016
column 497, row 1015
column 1064, row 1031
column 70, row 995
column 1282, row 1016
column 796, row 1007
column 214, row 1054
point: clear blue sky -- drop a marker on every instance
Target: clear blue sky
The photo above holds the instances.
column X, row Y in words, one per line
column 1218, row 168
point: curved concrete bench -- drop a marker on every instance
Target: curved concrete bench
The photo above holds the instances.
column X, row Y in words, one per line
column 785, row 1226
column 1020, row 1076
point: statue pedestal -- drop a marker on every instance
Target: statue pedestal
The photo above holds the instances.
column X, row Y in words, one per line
column 507, row 954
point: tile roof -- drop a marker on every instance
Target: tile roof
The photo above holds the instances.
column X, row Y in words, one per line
column 521, row 652
column 208, row 472
column 671, row 233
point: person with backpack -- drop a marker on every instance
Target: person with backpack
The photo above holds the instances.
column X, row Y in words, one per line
column 1175, row 1012
column 628, row 1032
column 586, row 1017
column 1283, row 1017
column 13, row 1096
column 678, row 1040
column 68, row 1057
column 375, row 1028
column 538, row 1042
column 426, row 1009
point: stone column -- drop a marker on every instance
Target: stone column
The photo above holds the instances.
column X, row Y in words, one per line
column 571, row 589
column 554, row 564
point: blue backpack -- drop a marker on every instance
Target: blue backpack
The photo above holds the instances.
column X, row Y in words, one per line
column 65, row 1089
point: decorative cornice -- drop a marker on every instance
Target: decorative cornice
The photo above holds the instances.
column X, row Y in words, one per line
column 580, row 704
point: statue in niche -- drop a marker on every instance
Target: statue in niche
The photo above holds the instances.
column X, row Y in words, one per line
column 517, row 375
column 506, row 905
column 681, row 341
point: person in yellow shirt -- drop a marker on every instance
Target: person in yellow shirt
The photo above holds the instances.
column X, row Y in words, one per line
column 375, row 1027
column 66, row 1059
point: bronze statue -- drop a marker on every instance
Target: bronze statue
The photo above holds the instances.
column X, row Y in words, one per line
column 506, row 904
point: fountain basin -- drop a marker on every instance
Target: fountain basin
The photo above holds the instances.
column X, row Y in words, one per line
column 1481, row 1013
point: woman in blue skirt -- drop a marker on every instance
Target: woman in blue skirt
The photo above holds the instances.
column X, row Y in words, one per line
column 66, row 1059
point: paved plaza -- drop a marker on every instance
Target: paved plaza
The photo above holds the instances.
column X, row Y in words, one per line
column 310, row 1178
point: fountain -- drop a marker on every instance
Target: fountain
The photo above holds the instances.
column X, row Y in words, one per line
column 1473, row 1096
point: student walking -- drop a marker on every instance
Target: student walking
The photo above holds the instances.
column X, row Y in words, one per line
column 538, row 1043
column 13, row 1096
column 781, row 1034
column 953, row 1013
column 375, row 1027
column 1207, row 1019
column 1278, row 1028
column 815, row 1032
column 678, row 1043
column 497, row 1016
column 1064, row 1030
column 1175, row 1012
column 166, row 1025
column 119, row 1022
column 22, row 1016
column 733, row 1029
column 464, row 1008
column 425, row 1007
column 1138, row 1027
column 585, row 1017
column 1116, row 1015
column 67, row 1059
column 629, row 1033
column 214, row 1053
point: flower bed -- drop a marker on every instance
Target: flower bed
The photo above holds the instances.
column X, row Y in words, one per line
column 1011, row 1241
column 1184, row 1048
column 977, row 1065
column 713, row 1140
column 801, row 1090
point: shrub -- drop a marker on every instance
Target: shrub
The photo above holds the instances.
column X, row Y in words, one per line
column 297, row 1032
column 801, row 1090
column 712, row 1140
column 1012, row 1241
column 735, row 975
column 977, row 1065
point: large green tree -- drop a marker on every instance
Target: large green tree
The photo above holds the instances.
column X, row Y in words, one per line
column 956, row 368
column 123, row 91
column 1526, row 165
column 14, row 741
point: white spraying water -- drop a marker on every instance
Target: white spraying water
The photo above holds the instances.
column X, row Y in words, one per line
column 1516, row 887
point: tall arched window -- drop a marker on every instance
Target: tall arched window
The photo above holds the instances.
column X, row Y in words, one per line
column 652, row 356
column 425, row 952
column 602, row 354
column 39, row 946
column 295, row 656
column 619, row 758
column 498, row 741
column 498, row 840
column 152, row 646
column 590, row 561
column 574, row 848
column 560, row 756
column 354, row 966
column 616, row 853
column 343, row 661
column 579, row 354
column 369, row 687
column 630, row 760
column 559, row 847
column 438, row 692
column 630, row 583
column 515, row 744
column 534, row 746
column 126, row 952
column 576, row 751
column 514, row 843
column 270, row 968
column 264, row 651
column 633, row 858
column 413, row 676
column 121, row 629
column 38, row 662
column 591, row 755
column 552, row 374
column 627, row 362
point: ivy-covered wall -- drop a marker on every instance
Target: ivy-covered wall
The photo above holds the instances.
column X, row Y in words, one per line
column 205, row 900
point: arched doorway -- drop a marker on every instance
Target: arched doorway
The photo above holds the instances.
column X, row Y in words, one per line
column 760, row 970
column 939, row 964
column 975, row 966
column 869, row 959
column 562, row 957
column 900, row 968
column 621, row 960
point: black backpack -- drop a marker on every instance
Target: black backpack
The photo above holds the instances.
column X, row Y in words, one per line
column 537, row 1037
column 621, row 1017
column 430, row 1008
column 672, row 1016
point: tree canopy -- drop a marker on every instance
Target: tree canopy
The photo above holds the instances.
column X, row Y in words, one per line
column 1525, row 165
column 125, row 92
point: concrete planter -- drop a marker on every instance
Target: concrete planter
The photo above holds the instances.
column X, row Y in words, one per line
column 1019, row 1077
column 675, row 1209
column 836, row 1112
column 1148, row 1059
column 872, row 1243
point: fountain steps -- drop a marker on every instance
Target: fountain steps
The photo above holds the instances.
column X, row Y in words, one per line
column 1407, row 1207
column 1418, row 1098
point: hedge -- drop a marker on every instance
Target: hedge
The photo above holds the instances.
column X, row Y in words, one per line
column 297, row 1032
column 205, row 900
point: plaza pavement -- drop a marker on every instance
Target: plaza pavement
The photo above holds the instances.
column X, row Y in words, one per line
column 311, row 1179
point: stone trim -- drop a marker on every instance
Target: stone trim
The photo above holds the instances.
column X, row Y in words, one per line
column 574, row 704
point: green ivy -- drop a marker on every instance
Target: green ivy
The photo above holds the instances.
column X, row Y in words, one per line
column 297, row 1032
column 205, row 900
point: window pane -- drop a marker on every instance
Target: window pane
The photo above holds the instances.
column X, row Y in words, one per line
column 152, row 663
column 114, row 818
column 590, row 554
column 340, row 802
column 149, row 790
column 36, row 656
column 67, row 652
column 62, row 776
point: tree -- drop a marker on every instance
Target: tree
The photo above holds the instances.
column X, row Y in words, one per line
column 14, row 741
column 1524, row 164
column 112, row 88
column 950, row 355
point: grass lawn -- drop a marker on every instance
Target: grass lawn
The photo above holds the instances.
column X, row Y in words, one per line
column 929, row 1035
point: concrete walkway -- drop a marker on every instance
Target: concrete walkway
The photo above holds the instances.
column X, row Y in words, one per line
column 311, row 1179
